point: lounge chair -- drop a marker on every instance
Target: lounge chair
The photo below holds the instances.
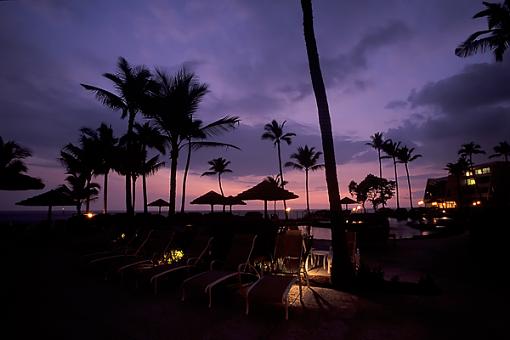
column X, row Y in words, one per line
column 122, row 245
column 159, row 269
column 273, row 288
column 157, row 243
column 236, row 263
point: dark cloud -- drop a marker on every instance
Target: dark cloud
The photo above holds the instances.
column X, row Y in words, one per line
column 396, row 105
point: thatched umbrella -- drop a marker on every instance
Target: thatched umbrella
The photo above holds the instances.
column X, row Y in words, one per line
column 159, row 203
column 231, row 200
column 55, row 197
column 267, row 191
column 15, row 182
column 211, row 198
column 346, row 200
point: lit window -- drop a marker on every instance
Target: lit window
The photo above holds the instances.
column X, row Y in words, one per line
column 470, row 181
column 478, row 171
column 469, row 173
column 486, row 170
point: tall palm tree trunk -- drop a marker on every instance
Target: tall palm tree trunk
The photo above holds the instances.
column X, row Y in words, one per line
column 396, row 182
column 221, row 188
column 281, row 177
column 380, row 171
column 409, row 186
column 129, row 206
column 133, row 194
column 307, row 196
column 185, row 177
column 174, row 154
column 87, row 205
column 105, row 193
column 144, row 189
column 342, row 267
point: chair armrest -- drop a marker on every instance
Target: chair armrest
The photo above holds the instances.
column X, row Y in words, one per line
column 213, row 263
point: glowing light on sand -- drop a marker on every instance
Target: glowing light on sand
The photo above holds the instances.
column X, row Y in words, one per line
column 90, row 214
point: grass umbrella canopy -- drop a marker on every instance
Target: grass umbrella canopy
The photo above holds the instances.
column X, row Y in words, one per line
column 16, row 182
column 231, row 200
column 159, row 203
column 267, row 191
column 347, row 200
column 211, row 198
column 56, row 197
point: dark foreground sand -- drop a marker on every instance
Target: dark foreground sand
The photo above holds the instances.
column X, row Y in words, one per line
column 49, row 297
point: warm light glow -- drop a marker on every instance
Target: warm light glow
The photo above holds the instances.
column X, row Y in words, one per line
column 90, row 214
column 172, row 256
column 433, row 204
column 288, row 209
column 470, row 181
column 122, row 236
column 421, row 203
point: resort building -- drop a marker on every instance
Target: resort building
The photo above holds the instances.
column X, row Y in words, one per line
column 484, row 183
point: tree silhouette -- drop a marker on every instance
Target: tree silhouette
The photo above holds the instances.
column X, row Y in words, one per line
column 196, row 136
column 274, row 132
column 218, row 167
column 80, row 189
column 458, row 170
column 172, row 106
column 495, row 38
column 148, row 136
column 470, row 149
column 391, row 149
column 374, row 189
column 105, row 146
column 343, row 270
column 306, row 159
column 501, row 150
column 132, row 84
column 405, row 156
column 378, row 144
column 12, row 168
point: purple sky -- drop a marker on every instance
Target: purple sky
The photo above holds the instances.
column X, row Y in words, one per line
column 388, row 66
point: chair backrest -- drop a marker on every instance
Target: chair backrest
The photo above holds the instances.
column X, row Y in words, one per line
column 240, row 251
column 199, row 246
column 157, row 243
column 288, row 252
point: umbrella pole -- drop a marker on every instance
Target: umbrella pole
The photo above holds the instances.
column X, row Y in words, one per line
column 265, row 209
column 212, row 208
column 160, row 210
column 49, row 213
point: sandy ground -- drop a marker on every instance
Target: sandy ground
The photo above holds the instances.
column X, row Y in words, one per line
column 48, row 296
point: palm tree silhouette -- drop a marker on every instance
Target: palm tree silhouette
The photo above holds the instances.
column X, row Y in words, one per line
column 172, row 106
column 12, row 168
column 405, row 156
column 218, row 167
column 342, row 267
column 470, row 149
column 391, row 149
column 501, row 150
column 80, row 163
column 378, row 144
column 274, row 133
column 196, row 135
column 458, row 170
column 306, row 159
column 80, row 188
column 148, row 136
column 105, row 145
column 132, row 84
column 495, row 38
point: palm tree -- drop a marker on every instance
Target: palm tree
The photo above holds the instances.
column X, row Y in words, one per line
column 342, row 267
column 145, row 167
column 132, row 84
column 458, row 169
column 80, row 162
column 196, row 135
column 172, row 106
column 148, row 136
column 274, row 132
column 378, row 144
column 80, row 188
column 12, row 168
column 501, row 150
column 306, row 159
column 218, row 167
column 391, row 149
column 405, row 156
column 106, row 146
column 470, row 149
column 495, row 38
